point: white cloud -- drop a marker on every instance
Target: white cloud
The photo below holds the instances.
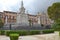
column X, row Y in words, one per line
column 6, row 4
column 32, row 6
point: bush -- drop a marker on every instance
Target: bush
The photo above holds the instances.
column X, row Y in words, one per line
column 2, row 32
column 30, row 32
column 14, row 36
column 11, row 32
column 1, row 23
column 33, row 32
column 48, row 31
column 56, row 26
column 21, row 33
column 59, row 33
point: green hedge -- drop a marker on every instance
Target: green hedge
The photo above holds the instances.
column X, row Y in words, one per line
column 26, row 32
column 33, row 32
column 14, row 36
column 21, row 33
column 2, row 32
column 59, row 33
column 48, row 31
column 10, row 32
column 56, row 26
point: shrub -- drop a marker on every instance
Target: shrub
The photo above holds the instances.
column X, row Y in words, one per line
column 14, row 36
column 33, row 32
column 1, row 23
column 30, row 32
column 48, row 31
column 10, row 32
column 2, row 32
column 59, row 33
column 21, row 33
column 56, row 26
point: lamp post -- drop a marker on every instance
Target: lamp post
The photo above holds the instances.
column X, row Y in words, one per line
column 10, row 26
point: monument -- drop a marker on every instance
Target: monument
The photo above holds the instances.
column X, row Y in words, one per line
column 22, row 17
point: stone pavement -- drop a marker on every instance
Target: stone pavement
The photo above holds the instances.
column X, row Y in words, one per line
column 40, row 37
column 52, row 36
column 4, row 37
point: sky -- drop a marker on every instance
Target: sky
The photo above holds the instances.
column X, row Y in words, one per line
column 32, row 6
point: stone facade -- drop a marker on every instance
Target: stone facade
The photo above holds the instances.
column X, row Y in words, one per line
column 11, row 17
column 44, row 19
column 8, row 17
column 21, row 17
column 33, row 18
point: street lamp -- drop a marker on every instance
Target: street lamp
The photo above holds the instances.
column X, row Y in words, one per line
column 10, row 26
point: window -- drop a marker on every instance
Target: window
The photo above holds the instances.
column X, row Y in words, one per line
column 0, row 16
column 6, row 16
column 13, row 17
column 10, row 17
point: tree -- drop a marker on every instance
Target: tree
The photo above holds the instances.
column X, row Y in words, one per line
column 54, row 14
column 30, row 23
column 1, row 23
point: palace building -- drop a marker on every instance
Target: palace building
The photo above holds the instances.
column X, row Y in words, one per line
column 10, row 17
column 21, row 17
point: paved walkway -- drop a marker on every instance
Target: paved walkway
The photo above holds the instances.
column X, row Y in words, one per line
column 40, row 37
column 4, row 37
column 53, row 36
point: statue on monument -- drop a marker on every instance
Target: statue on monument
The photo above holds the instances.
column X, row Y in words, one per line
column 22, row 17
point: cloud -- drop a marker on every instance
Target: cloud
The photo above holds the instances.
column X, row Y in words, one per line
column 33, row 6
column 6, row 4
